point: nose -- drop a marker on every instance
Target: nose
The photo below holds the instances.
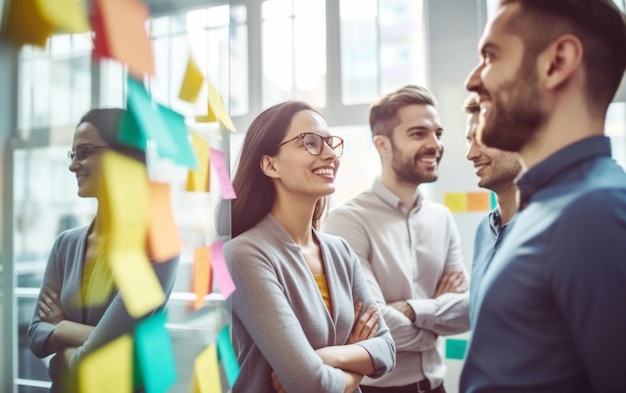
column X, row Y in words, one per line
column 473, row 81
column 74, row 165
column 473, row 152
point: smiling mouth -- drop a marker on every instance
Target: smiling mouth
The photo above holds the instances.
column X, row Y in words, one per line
column 324, row 172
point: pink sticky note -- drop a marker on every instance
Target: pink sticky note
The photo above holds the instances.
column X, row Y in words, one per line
column 218, row 159
column 220, row 270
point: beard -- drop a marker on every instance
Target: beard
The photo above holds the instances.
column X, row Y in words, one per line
column 407, row 168
column 511, row 125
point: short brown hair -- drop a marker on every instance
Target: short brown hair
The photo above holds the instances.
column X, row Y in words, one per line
column 384, row 112
column 598, row 24
column 470, row 106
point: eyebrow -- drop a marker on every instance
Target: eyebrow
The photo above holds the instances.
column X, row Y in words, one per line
column 489, row 47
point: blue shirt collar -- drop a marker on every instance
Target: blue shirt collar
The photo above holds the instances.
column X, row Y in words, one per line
column 542, row 174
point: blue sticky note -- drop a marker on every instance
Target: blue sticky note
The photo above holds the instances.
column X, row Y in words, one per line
column 175, row 123
column 227, row 356
column 153, row 348
column 149, row 120
column 455, row 348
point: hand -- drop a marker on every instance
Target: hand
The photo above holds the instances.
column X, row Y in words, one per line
column 276, row 384
column 365, row 326
column 452, row 281
column 50, row 308
column 404, row 307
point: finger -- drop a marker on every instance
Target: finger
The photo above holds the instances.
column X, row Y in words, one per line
column 362, row 322
column 50, row 293
column 373, row 331
column 357, row 310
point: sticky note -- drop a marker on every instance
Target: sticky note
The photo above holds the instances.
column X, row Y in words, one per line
column 33, row 21
column 122, row 22
column 206, row 373
column 493, row 200
column 478, row 201
column 192, row 82
column 227, row 356
column 183, row 153
column 217, row 105
column 456, row 202
column 208, row 118
column 201, row 276
column 163, row 239
column 153, row 347
column 198, row 180
column 218, row 159
column 123, row 218
column 220, row 270
column 108, row 369
column 455, row 348
column 129, row 132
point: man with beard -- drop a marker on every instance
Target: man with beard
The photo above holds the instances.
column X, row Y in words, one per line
column 409, row 247
column 496, row 171
column 552, row 306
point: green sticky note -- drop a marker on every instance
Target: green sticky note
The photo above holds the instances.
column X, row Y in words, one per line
column 494, row 201
column 153, row 348
column 455, row 348
column 183, row 154
column 130, row 134
column 227, row 356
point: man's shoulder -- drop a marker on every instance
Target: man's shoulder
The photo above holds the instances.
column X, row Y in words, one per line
column 357, row 205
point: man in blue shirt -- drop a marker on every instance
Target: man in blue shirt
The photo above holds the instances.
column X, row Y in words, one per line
column 496, row 171
column 552, row 305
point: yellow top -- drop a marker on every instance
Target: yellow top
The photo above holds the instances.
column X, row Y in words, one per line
column 322, row 284
column 97, row 279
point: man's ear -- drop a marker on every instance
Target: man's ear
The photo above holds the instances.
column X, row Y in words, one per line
column 383, row 145
column 560, row 60
column 268, row 166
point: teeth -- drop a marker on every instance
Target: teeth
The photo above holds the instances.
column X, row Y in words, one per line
column 324, row 171
column 429, row 160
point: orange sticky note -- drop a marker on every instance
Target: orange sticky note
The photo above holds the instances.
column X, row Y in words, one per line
column 163, row 239
column 456, row 202
column 201, row 284
column 478, row 201
column 123, row 25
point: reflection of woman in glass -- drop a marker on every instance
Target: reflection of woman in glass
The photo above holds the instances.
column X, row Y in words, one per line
column 71, row 317
column 303, row 316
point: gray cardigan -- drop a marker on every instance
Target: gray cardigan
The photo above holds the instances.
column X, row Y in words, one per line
column 279, row 316
column 63, row 275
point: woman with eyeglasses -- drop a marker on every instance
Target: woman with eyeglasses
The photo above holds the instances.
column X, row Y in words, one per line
column 303, row 317
column 74, row 315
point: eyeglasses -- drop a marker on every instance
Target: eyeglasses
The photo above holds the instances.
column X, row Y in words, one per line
column 314, row 143
column 83, row 152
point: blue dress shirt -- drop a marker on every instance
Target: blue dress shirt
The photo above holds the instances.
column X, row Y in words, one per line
column 489, row 236
column 553, row 302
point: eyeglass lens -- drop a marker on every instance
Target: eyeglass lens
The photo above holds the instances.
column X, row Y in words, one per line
column 83, row 152
column 314, row 143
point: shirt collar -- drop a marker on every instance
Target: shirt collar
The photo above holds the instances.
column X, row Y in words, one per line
column 542, row 174
column 390, row 198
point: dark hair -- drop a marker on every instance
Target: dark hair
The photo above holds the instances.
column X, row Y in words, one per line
column 107, row 121
column 384, row 112
column 470, row 106
column 598, row 24
column 255, row 191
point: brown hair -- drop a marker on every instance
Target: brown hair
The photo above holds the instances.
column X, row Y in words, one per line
column 384, row 112
column 255, row 191
column 470, row 106
column 598, row 24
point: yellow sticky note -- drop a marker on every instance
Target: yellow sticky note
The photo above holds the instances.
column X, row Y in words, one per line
column 123, row 219
column 216, row 103
column 68, row 16
column 209, row 118
column 206, row 372
column 478, row 201
column 198, row 180
column 108, row 369
column 163, row 240
column 456, row 202
column 192, row 82
column 138, row 284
